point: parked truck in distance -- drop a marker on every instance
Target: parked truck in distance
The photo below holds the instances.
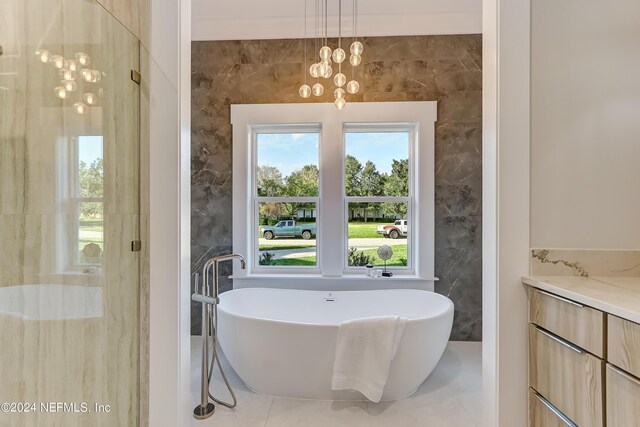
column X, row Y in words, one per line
column 399, row 228
column 288, row 229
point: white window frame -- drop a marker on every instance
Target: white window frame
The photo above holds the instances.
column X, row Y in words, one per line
column 412, row 129
column 275, row 128
column 332, row 271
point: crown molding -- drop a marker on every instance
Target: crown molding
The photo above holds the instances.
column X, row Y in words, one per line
column 289, row 27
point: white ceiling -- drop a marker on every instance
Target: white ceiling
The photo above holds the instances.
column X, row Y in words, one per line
column 271, row 19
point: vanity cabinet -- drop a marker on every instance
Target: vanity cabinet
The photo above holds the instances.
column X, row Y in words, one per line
column 584, row 365
column 623, row 398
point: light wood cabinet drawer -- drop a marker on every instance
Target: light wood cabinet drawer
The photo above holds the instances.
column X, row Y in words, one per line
column 624, row 344
column 544, row 414
column 579, row 324
column 567, row 376
column 623, row 396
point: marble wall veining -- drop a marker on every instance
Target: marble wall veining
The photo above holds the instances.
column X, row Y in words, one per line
column 584, row 262
column 447, row 69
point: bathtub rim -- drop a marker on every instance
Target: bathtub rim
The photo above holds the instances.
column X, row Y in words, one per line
column 450, row 306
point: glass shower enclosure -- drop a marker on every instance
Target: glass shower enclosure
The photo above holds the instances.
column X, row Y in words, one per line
column 69, row 215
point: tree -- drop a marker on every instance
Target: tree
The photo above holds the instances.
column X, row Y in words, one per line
column 397, row 184
column 371, row 185
column 270, row 182
column 91, row 183
column 304, row 182
column 272, row 210
column 353, row 171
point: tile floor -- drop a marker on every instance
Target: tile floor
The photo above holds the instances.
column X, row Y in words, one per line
column 450, row 397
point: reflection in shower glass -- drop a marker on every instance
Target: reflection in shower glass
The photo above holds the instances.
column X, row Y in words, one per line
column 89, row 220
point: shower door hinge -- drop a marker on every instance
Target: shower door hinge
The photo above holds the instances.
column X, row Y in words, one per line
column 135, row 76
column 136, row 246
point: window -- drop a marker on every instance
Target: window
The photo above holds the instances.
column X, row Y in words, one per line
column 286, row 190
column 324, row 189
column 378, row 194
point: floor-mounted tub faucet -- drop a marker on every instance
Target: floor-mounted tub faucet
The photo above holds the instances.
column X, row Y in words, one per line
column 203, row 295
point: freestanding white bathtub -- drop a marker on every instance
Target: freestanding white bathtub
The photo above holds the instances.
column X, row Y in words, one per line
column 282, row 342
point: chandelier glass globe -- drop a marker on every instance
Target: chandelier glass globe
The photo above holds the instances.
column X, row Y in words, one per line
column 325, row 52
column 317, row 89
column 353, row 87
column 339, row 79
column 339, row 55
column 305, row 91
column 356, row 48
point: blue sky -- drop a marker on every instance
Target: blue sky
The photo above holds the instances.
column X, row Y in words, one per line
column 89, row 148
column 289, row 152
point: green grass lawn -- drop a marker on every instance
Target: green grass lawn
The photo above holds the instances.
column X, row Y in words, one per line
column 397, row 260
column 363, row 230
column 303, row 261
column 91, row 224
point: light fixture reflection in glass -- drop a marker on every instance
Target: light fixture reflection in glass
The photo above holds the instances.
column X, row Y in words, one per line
column 305, row 91
column 340, row 103
column 90, row 98
column 353, row 87
column 339, row 79
column 355, row 60
column 43, row 54
column 61, row 92
column 338, row 93
column 80, row 107
column 69, row 85
column 356, row 48
column 318, row 89
column 68, row 75
column 83, row 59
column 91, row 76
column 57, row 61
column 339, row 55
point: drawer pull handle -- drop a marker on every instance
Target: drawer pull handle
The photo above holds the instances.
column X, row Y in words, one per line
column 563, row 342
column 555, row 410
column 623, row 374
column 568, row 301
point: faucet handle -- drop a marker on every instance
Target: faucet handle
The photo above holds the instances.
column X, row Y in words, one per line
column 197, row 283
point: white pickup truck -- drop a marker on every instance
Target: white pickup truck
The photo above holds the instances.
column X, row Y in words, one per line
column 399, row 228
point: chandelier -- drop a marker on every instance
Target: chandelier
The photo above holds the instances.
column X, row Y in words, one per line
column 322, row 68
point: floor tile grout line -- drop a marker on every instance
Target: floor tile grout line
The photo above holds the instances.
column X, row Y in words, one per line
column 266, row 420
column 464, row 407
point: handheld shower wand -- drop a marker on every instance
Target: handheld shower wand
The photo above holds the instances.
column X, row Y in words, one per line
column 209, row 327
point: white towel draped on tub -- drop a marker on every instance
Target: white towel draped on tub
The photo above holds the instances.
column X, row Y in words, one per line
column 364, row 351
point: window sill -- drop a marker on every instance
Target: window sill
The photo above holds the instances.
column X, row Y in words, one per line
column 346, row 282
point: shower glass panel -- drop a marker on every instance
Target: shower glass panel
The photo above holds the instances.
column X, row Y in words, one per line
column 69, row 211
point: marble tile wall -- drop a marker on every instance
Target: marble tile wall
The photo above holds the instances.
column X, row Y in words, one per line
column 447, row 69
column 584, row 262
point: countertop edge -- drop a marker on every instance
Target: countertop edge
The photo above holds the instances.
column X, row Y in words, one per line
column 582, row 298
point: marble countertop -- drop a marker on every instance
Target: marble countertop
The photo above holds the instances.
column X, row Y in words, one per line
column 619, row 296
